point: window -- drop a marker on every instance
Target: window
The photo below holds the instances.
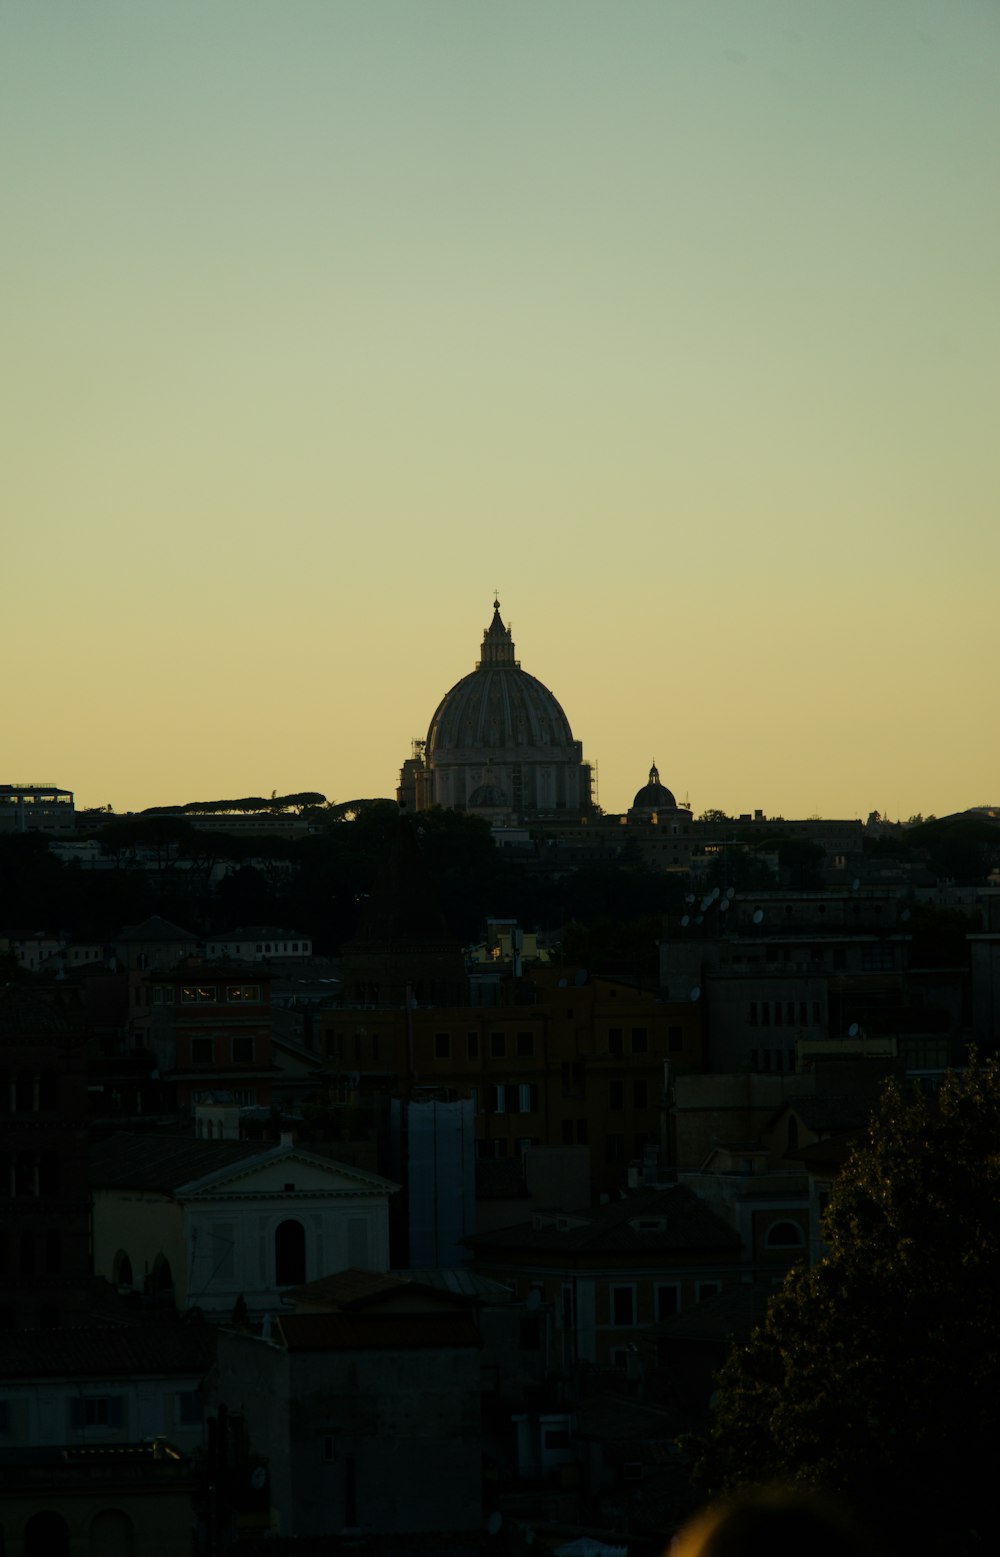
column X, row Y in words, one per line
column 876, row 959
column 668, row 1300
column 639, row 1094
column 472, row 1045
column 190, row 1408
column 616, row 1095
column 556, row 1437
column 581, row 1132
column 202, row 1051
column 327, row 1448
column 675, row 1039
column 623, row 1306
column 197, row 994
column 707, row 1289
column 513, row 1098
column 442, row 1046
column 567, row 1132
column 615, row 1044
column 752, row 1014
column 498, row 1045
column 243, row 992
column 614, row 1148
column 242, row 1051
column 619, row 1358
column 96, row 1411
column 640, row 1040
column 525, row 1044
column 765, row 1013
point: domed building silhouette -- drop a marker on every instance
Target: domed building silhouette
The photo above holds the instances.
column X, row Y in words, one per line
column 498, row 744
column 651, row 799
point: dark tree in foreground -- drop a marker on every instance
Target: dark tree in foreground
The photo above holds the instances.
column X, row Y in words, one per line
column 876, row 1374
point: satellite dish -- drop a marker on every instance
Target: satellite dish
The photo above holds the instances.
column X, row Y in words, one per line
column 696, row 992
column 563, row 983
column 533, row 1301
column 904, row 916
column 853, row 1030
column 855, row 884
column 758, row 916
column 494, row 1522
column 730, row 893
column 685, row 920
column 723, row 905
column 714, row 894
column 689, row 898
column 581, row 978
column 699, row 918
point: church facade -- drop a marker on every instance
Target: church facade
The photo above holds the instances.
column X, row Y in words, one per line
column 499, row 745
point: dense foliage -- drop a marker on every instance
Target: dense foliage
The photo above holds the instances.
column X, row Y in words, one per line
column 210, row 881
column 876, row 1374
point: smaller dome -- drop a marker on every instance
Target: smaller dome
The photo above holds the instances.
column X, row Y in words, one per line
column 489, row 796
column 654, row 796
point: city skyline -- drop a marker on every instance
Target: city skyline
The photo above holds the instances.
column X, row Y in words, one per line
column 677, row 325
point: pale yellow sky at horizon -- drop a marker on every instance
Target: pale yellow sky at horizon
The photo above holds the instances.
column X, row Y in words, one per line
column 677, row 323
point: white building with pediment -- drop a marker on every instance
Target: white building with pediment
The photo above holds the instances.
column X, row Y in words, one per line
column 202, row 1223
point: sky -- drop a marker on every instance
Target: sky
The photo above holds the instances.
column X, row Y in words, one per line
column 676, row 323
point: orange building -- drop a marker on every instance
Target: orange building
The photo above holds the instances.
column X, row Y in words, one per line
column 560, row 1063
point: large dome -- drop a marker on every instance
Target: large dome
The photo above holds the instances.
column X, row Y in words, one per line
column 498, row 705
column 498, row 732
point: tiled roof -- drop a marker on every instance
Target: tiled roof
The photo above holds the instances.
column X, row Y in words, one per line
column 688, row 1225
column 835, row 1111
column 155, row 929
column 163, row 1162
column 347, row 1287
column 367, row 1331
column 103, row 1352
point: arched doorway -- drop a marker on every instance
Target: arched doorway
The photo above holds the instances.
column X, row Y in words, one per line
column 161, row 1281
column 46, row 1535
column 112, row 1534
column 289, row 1254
